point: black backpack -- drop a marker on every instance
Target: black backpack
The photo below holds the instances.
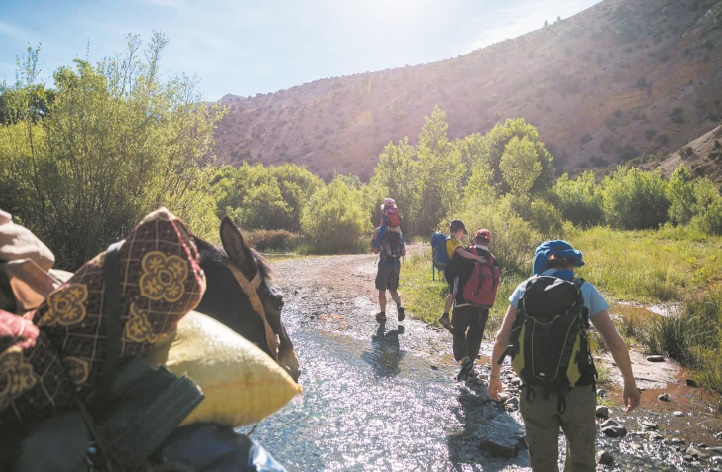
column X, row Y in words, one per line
column 549, row 343
column 391, row 245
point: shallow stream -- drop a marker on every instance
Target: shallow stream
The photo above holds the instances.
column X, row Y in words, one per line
column 384, row 397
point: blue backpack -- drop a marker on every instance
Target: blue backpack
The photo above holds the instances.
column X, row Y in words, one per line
column 439, row 257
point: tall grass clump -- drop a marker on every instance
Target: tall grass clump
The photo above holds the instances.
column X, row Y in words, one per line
column 693, row 338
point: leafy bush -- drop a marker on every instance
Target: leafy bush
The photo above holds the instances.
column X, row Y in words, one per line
column 579, row 200
column 635, row 199
column 272, row 240
column 334, row 219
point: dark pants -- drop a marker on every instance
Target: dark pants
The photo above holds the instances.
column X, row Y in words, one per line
column 473, row 319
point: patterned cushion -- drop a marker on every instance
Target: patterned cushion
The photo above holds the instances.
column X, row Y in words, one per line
column 160, row 281
column 33, row 382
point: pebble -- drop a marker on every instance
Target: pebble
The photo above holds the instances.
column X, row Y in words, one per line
column 601, row 393
column 690, row 382
column 602, row 412
column 678, row 414
column 605, row 457
column 664, row 397
column 650, row 427
column 609, row 422
column 656, row 359
column 615, row 431
column 676, row 441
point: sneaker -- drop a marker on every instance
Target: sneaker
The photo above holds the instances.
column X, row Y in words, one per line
column 381, row 316
column 445, row 321
column 465, row 370
column 402, row 313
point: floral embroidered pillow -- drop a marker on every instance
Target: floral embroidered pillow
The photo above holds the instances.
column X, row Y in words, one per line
column 33, row 382
column 160, row 281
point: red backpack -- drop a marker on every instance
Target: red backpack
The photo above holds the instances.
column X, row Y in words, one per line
column 391, row 216
column 483, row 283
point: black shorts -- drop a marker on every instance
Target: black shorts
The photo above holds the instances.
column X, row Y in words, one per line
column 387, row 277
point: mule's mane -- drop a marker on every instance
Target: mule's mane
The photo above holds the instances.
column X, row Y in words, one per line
column 211, row 253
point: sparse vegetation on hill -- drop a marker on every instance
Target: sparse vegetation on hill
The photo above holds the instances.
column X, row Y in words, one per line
column 614, row 83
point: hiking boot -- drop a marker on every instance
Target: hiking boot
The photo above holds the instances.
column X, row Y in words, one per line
column 402, row 313
column 445, row 321
column 381, row 317
column 466, row 366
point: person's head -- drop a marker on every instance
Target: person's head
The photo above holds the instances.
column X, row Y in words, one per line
column 388, row 203
column 556, row 254
column 457, row 229
column 483, row 237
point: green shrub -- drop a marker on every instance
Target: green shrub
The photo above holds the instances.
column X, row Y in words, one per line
column 635, row 199
column 334, row 219
column 272, row 240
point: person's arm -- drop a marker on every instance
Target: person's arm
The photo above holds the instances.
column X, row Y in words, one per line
column 500, row 345
column 603, row 323
column 375, row 247
column 468, row 254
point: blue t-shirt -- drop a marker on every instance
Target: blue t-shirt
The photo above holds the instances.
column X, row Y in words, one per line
column 593, row 300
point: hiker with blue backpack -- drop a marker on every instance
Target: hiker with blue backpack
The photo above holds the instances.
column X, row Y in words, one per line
column 480, row 282
column 390, row 247
column 452, row 247
column 546, row 333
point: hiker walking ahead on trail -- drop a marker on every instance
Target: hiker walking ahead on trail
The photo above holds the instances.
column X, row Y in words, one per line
column 390, row 220
column 390, row 247
column 454, row 249
column 472, row 303
column 545, row 404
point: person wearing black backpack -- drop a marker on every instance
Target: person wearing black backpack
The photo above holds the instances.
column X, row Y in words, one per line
column 553, row 400
column 391, row 248
column 469, row 316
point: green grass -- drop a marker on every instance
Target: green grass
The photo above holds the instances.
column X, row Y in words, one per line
column 424, row 297
column 645, row 267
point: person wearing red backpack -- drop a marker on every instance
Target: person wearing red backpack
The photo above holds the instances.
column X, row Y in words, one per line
column 471, row 308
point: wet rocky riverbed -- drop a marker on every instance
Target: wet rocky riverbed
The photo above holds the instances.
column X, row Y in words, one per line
column 384, row 396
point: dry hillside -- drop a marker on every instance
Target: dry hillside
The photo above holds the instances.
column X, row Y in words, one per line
column 618, row 80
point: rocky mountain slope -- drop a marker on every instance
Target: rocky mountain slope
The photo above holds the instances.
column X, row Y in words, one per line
column 621, row 79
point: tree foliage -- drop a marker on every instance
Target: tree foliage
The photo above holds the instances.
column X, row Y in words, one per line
column 116, row 144
column 334, row 219
column 635, row 199
column 579, row 200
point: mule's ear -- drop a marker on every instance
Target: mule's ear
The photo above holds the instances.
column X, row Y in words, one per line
column 235, row 246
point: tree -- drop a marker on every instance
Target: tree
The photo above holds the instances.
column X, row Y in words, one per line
column 519, row 165
column 116, row 144
column 579, row 200
column 680, row 193
column 440, row 171
column 334, row 219
column 635, row 199
column 397, row 175
column 499, row 137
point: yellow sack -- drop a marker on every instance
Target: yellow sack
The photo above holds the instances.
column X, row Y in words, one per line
column 242, row 385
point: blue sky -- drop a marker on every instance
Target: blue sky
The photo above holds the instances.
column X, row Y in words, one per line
column 246, row 47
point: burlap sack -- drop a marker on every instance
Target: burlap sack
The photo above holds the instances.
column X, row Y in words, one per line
column 33, row 383
column 160, row 282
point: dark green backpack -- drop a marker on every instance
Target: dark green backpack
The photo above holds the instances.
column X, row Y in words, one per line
column 549, row 343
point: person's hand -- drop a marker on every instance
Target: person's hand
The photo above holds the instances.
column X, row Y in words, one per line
column 632, row 395
column 403, row 251
column 481, row 259
column 494, row 389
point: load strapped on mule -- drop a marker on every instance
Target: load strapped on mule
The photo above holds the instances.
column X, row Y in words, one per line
column 110, row 370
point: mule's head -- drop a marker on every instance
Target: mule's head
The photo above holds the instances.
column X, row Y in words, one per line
column 226, row 300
